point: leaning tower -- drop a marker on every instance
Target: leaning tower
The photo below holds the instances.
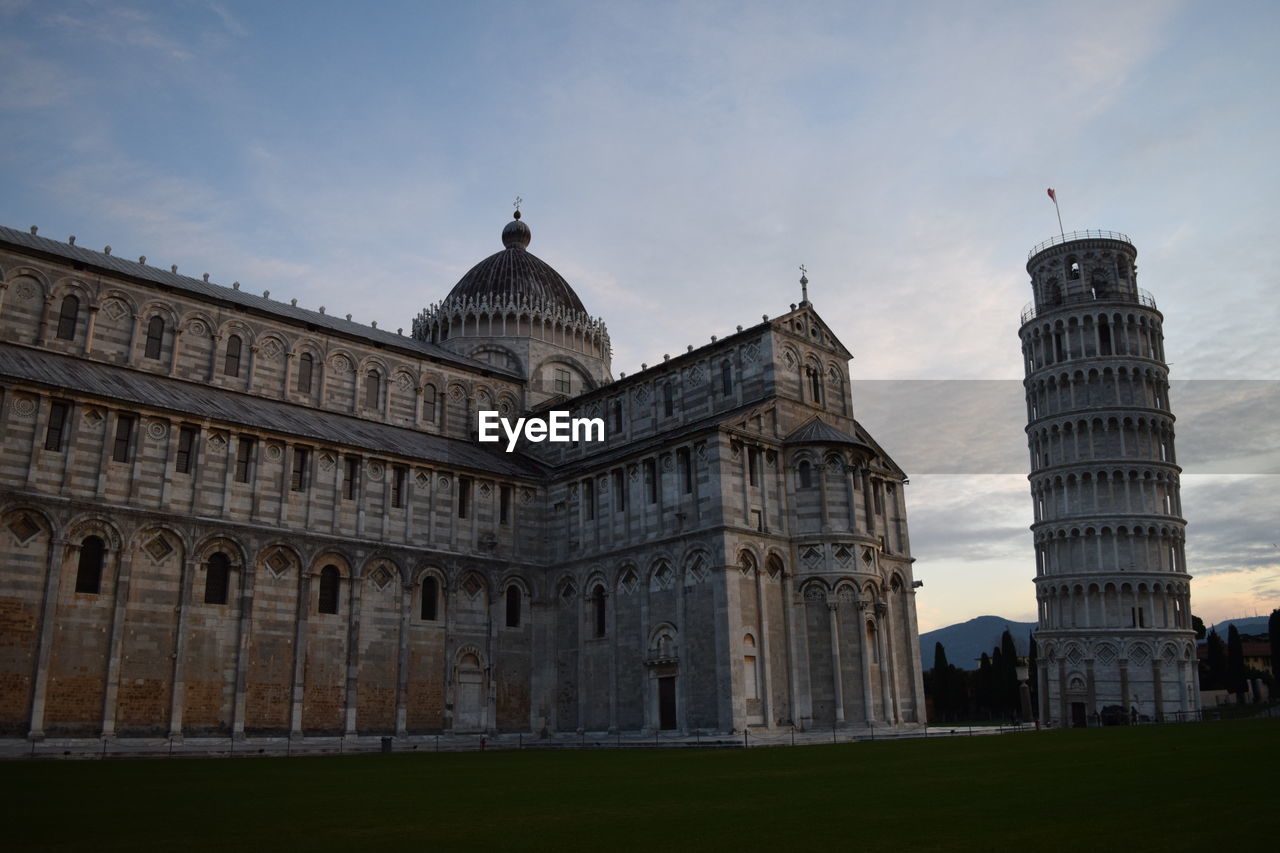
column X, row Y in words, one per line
column 1112, row 586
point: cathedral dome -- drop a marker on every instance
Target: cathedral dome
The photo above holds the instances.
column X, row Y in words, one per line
column 516, row 275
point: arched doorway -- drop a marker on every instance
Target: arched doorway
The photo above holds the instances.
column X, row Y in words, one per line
column 469, row 699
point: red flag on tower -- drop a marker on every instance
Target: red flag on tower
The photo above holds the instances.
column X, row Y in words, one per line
column 1054, row 196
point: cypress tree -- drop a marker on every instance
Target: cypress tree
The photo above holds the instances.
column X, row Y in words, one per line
column 941, row 682
column 1273, row 628
column 1033, row 675
column 982, row 695
column 1009, row 652
column 1235, row 664
column 1216, row 660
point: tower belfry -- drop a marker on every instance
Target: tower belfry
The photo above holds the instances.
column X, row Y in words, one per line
column 1112, row 587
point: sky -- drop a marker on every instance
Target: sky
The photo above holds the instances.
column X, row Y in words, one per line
column 679, row 161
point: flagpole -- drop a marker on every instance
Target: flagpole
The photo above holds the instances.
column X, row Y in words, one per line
column 1059, row 212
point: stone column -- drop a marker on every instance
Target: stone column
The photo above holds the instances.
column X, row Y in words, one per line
column 124, row 565
column 352, row 691
column 89, row 330
column 886, row 666
column 244, row 632
column 868, row 703
column 765, row 669
column 178, row 686
column 48, row 618
column 837, row 677
column 300, row 653
column 402, row 660
column 173, row 354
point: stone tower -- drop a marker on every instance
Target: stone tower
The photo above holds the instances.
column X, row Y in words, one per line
column 514, row 311
column 1111, row 579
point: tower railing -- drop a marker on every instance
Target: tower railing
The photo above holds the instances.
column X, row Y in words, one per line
column 1142, row 298
column 1078, row 235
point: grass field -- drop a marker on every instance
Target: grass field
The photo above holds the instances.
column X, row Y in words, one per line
column 1204, row 786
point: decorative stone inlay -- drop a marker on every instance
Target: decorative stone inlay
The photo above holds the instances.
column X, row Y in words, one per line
column 770, row 458
column 667, row 464
column 443, row 483
column 114, row 309
column 573, row 491
column 157, row 429
column 340, row 364
column 1074, row 657
column 696, row 375
column 702, row 452
column 813, row 592
column 751, row 354
column 423, row 479
column 505, row 407
column 196, row 327
column 642, row 393
column 485, row 490
column 567, row 592
column 789, row 359
column 843, row 555
column 627, row 585
column 26, row 291
column 735, row 451
column 634, row 473
column 23, row 528
column 696, row 573
column 1105, row 655
column 1139, row 656
column 662, row 577
column 217, row 441
column 381, row 578
column 93, row 417
column 275, row 452
column 24, row 407
column 375, row 471
column 472, row 586
column 278, row 564
column 404, row 383
column 526, row 496
column 271, row 349
column 158, row 547
column 327, row 461
column 455, row 393
column 847, row 595
column 867, row 556
column 812, row 558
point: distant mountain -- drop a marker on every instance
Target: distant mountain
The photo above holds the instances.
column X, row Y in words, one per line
column 1245, row 625
column 966, row 641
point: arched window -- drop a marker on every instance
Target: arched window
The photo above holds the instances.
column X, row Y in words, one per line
column 806, row 474
column 306, row 366
column 668, row 400
column 217, row 579
column 513, row 606
column 873, row 648
column 328, row 600
column 231, row 364
column 815, row 385
column 726, row 378
column 1073, row 269
column 67, row 318
column 155, row 337
column 89, row 571
column 430, row 598
column 598, row 610
column 750, row 683
column 372, row 387
column 429, row 403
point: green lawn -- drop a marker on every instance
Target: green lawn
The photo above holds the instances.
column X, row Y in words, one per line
column 1198, row 787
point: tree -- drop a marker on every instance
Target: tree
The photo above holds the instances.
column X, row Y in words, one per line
column 982, row 695
column 941, row 681
column 1009, row 656
column 1215, row 676
column 1273, row 628
column 1033, row 675
column 1236, row 677
column 1198, row 624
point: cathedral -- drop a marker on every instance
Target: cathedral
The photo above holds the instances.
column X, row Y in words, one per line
column 226, row 515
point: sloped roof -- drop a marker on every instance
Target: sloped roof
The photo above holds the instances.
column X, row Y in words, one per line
column 261, row 304
column 817, row 431
column 192, row 400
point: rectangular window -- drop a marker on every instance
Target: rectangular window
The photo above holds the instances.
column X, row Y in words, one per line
column 620, row 491
column 399, row 475
column 298, row 476
column 351, row 478
column 186, row 446
column 589, row 499
column 244, row 459
column 753, row 465
column 617, row 416
column 504, row 505
column 57, row 426
column 685, row 464
column 561, row 381
column 123, row 447
column 464, row 495
column 651, row 480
